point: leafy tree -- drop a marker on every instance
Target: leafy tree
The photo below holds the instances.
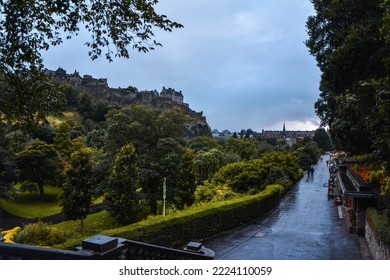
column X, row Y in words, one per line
column 71, row 95
column 95, row 138
column 202, row 143
column 207, row 163
column 144, row 127
column 27, row 97
column 322, row 138
column 187, row 178
column 246, row 148
column 19, row 140
column 101, row 171
column 170, row 154
column 41, row 164
column 85, row 105
column 347, row 40
column 100, row 111
column 256, row 174
column 45, row 133
column 62, row 142
column 76, row 198
column 29, row 27
column 122, row 198
column 8, row 170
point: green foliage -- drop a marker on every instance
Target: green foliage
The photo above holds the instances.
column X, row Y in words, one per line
column 152, row 132
column 207, row 163
column 71, row 95
column 380, row 224
column 40, row 163
column 85, row 105
column 374, row 177
column 62, row 142
column 246, row 148
column 255, row 174
column 27, row 97
column 347, row 40
column 45, row 133
column 186, row 185
column 202, row 143
column 307, row 153
column 27, row 28
column 212, row 192
column 122, row 199
column 385, row 187
column 322, row 138
column 41, row 234
column 141, row 126
column 8, row 170
column 76, row 198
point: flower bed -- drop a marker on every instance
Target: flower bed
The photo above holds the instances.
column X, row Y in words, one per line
column 367, row 174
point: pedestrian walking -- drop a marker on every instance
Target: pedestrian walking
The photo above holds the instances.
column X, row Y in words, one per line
column 311, row 171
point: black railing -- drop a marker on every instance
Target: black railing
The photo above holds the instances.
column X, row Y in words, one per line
column 105, row 248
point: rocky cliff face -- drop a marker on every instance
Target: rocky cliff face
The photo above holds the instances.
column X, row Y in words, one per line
column 168, row 98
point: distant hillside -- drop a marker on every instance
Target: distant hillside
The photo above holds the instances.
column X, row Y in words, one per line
column 168, row 98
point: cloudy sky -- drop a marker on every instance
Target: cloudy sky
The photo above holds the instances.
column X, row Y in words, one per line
column 243, row 63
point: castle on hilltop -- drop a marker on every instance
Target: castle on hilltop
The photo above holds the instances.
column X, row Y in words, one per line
column 99, row 90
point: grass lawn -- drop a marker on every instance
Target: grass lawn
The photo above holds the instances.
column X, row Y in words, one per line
column 70, row 116
column 28, row 204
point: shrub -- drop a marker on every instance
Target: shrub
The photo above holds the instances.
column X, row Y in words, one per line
column 271, row 168
column 379, row 224
column 40, row 234
column 209, row 192
column 374, row 177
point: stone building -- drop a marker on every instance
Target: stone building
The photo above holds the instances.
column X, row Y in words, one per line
column 287, row 134
column 99, row 89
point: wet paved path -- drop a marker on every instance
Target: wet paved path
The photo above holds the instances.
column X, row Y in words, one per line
column 304, row 226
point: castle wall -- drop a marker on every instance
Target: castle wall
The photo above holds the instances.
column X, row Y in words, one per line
column 100, row 90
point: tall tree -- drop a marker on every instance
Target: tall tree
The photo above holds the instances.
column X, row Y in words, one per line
column 8, row 170
column 62, row 141
column 122, row 198
column 41, row 164
column 144, row 127
column 345, row 38
column 207, row 163
column 170, row 155
column 187, row 180
column 322, row 138
column 76, row 198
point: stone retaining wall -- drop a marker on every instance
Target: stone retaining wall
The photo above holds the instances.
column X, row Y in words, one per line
column 379, row 250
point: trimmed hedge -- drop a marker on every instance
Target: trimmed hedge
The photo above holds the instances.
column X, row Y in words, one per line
column 379, row 224
column 196, row 223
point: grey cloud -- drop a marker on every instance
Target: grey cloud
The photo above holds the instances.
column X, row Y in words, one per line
column 243, row 63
